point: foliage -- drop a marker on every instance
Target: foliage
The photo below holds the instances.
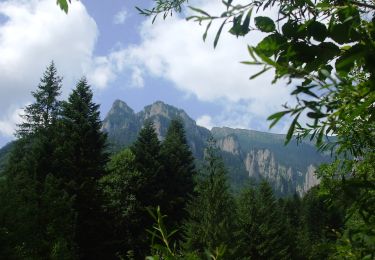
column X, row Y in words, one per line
column 263, row 234
column 356, row 196
column 43, row 113
column 82, row 157
column 120, row 189
column 325, row 48
column 179, row 174
column 36, row 213
column 326, row 51
column 163, row 249
column 212, row 228
column 64, row 4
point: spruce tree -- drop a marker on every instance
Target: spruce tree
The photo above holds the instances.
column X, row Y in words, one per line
column 179, row 169
column 83, row 157
column 211, row 222
column 146, row 150
column 44, row 112
column 147, row 162
column 263, row 231
column 35, row 211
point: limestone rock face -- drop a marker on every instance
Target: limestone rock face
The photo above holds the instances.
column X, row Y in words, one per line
column 311, row 180
column 247, row 154
column 229, row 144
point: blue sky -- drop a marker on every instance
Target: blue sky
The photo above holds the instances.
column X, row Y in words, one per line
column 125, row 56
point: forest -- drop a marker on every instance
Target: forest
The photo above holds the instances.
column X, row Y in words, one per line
column 63, row 195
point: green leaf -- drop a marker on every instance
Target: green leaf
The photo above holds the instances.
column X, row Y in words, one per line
column 265, row 24
column 291, row 128
column 317, row 30
column 260, row 72
column 205, row 32
column 237, row 27
column 199, row 11
column 343, row 33
column 276, row 117
column 270, row 45
column 251, row 52
column 290, row 29
column 327, row 51
column 63, row 5
column 218, row 34
column 346, row 62
column 316, row 115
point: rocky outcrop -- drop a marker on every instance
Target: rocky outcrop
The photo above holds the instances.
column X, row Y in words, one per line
column 229, row 144
column 246, row 153
column 310, row 180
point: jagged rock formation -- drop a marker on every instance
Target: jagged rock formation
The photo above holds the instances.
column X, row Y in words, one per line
column 247, row 154
column 122, row 125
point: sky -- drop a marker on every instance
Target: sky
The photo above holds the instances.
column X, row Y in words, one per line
column 126, row 56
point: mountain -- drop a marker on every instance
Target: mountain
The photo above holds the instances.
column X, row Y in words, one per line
column 122, row 125
column 247, row 154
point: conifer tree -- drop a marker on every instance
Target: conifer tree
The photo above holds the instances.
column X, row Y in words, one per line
column 146, row 150
column 32, row 206
column 211, row 223
column 147, row 162
column 82, row 152
column 44, row 112
column 263, row 231
column 179, row 169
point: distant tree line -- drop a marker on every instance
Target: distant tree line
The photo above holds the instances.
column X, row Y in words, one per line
column 64, row 196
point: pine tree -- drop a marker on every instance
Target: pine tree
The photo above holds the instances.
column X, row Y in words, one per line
column 83, row 157
column 210, row 222
column 179, row 169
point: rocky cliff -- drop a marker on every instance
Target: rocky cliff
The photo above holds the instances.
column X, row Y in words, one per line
column 248, row 155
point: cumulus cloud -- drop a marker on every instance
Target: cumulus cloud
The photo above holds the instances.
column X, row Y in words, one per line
column 205, row 121
column 173, row 49
column 32, row 34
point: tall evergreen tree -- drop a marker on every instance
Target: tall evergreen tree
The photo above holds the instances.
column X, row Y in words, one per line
column 32, row 202
column 179, row 169
column 146, row 150
column 83, row 157
column 263, row 232
column 210, row 221
column 44, row 112
column 147, row 162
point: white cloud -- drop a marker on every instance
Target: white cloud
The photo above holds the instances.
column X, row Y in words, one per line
column 120, row 17
column 8, row 123
column 34, row 33
column 137, row 78
column 205, row 121
column 173, row 49
column 101, row 72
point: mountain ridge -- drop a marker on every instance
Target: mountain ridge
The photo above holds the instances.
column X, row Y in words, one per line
column 248, row 154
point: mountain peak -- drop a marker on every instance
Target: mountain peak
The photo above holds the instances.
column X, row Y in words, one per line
column 120, row 105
